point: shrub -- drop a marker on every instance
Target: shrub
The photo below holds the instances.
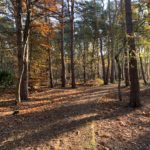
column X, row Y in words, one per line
column 6, row 78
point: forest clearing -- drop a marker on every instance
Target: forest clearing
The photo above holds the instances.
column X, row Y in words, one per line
column 74, row 75
column 84, row 118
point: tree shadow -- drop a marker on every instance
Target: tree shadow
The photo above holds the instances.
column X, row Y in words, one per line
column 4, row 103
column 144, row 141
column 60, row 93
column 49, row 124
column 34, row 128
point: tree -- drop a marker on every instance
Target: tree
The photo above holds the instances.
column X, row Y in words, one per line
column 71, row 16
column 134, row 87
column 23, row 47
column 63, row 74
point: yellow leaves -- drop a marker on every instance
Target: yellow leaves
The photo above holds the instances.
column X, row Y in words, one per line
column 141, row 55
column 147, row 27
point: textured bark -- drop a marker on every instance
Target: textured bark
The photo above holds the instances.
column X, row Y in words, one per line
column 63, row 75
column 126, row 68
column 19, row 45
column 134, row 86
column 72, row 44
column 125, row 71
column 23, row 50
column 119, row 75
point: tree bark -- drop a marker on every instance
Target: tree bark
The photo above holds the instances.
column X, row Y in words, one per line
column 72, row 45
column 84, row 63
column 108, row 66
column 126, row 68
column 103, row 61
column 50, row 69
column 63, row 74
column 134, row 86
column 19, row 46
column 23, row 51
column 112, row 71
column 119, row 75
column 142, row 69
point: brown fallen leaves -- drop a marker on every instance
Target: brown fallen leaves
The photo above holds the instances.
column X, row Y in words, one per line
column 83, row 118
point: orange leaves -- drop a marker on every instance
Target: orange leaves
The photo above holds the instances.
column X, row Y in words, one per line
column 43, row 28
column 52, row 9
column 41, row 11
column 47, row 6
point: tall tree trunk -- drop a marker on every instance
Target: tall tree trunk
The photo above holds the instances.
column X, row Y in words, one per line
column 63, row 75
column 103, row 61
column 126, row 67
column 119, row 75
column 19, row 46
column 108, row 61
column 112, row 71
column 23, row 51
column 72, row 44
column 93, row 60
column 24, row 92
column 84, row 63
column 124, row 43
column 134, row 86
column 50, row 69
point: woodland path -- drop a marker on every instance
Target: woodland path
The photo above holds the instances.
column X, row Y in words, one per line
column 86, row 118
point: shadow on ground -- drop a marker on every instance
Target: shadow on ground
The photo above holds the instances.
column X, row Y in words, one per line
column 74, row 111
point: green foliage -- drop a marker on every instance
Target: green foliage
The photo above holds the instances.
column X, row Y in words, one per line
column 6, row 78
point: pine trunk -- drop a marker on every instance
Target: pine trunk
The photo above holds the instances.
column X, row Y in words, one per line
column 63, row 75
column 72, row 45
column 134, row 86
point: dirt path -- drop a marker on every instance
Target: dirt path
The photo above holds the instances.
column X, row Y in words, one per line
column 87, row 118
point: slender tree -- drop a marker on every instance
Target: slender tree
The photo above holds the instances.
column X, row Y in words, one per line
column 103, row 60
column 63, row 75
column 71, row 15
column 23, row 49
column 134, row 87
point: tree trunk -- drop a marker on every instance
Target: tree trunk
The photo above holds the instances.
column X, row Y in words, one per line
column 103, row 61
column 142, row 69
column 24, row 92
column 112, row 74
column 72, row 45
column 112, row 71
column 126, row 68
column 50, row 69
column 63, row 75
column 108, row 66
column 119, row 75
column 84, row 64
column 19, row 46
column 134, row 86
column 23, row 52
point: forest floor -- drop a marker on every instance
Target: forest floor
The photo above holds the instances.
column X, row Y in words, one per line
column 85, row 118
